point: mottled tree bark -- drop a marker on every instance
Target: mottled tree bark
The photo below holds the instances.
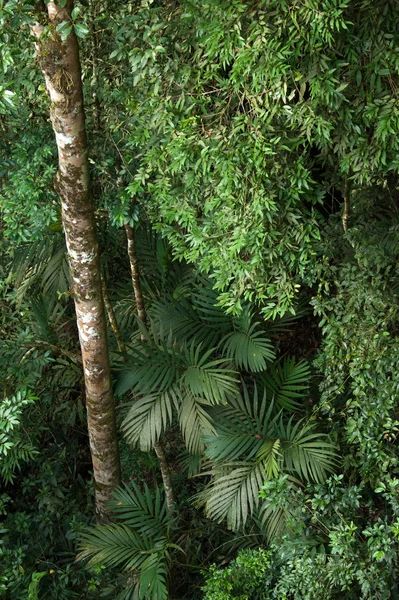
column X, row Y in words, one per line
column 59, row 61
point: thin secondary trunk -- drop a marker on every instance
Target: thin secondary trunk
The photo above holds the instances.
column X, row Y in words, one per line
column 112, row 319
column 167, row 482
column 59, row 61
column 159, row 451
column 134, row 269
column 347, row 206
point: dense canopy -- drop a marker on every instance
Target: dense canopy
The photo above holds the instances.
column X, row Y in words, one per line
column 199, row 217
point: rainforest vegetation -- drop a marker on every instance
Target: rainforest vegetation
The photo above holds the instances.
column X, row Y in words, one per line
column 199, row 299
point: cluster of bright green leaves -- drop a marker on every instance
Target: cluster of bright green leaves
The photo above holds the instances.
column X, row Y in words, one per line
column 237, row 108
column 330, row 549
column 359, row 356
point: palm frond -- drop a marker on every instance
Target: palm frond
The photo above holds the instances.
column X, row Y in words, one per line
column 249, row 444
column 55, row 277
column 43, row 264
column 153, row 368
column 141, row 510
column 212, row 379
column 233, row 496
column 240, row 427
column 307, row 453
column 185, row 323
column 114, row 545
column 195, row 422
column 286, row 382
column 273, row 519
column 153, row 577
column 120, row 546
column 249, row 347
column 191, row 463
column 149, row 416
column 138, row 545
column 205, row 302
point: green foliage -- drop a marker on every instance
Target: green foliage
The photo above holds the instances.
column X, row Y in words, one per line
column 243, row 115
column 239, row 130
column 14, row 447
column 245, row 578
column 248, row 446
column 139, row 545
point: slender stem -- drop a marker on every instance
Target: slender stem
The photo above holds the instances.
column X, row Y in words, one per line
column 56, row 349
column 112, row 319
column 346, row 213
column 159, row 451
column 167, row 482
column 134, row 268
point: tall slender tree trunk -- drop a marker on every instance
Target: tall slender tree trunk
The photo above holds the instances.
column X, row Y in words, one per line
column 59, row 61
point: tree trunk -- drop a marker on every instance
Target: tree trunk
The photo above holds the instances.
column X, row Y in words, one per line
column 59, row 61
column 134, row 269
column 167, row 482
column 159, row 451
